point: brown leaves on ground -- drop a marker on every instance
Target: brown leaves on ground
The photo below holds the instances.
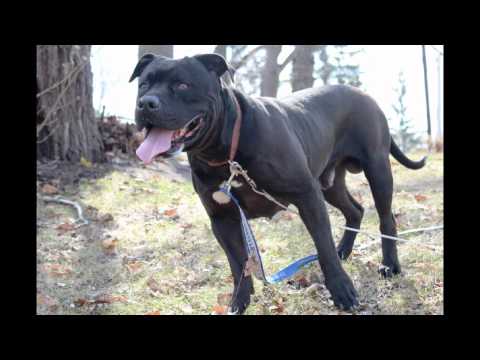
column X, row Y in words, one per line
column 49, row 189
column 153, row 285
column 156, row 312
column 171, row 213
column 134, row 266
column 57, row 269
column 186, row 226
column 109, row 298
column 219, row 310
column 105, row 218
column 85, row 162
column 420, row 197
column 47, row 301
column 65, row 227
column 301, row 280
column 109, row 245
column 101, row 299
column 224, row 299
column 278, row 307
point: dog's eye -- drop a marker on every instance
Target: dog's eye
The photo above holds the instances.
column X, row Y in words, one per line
column 183, row 86
column 142, row 85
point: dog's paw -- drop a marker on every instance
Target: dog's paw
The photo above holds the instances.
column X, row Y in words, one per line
column 387, row 271
column 238, row 307
column 343, row 292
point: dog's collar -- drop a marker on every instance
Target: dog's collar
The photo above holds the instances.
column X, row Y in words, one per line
column 235, row 137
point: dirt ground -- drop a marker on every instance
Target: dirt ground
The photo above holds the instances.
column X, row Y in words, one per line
column 148, row 248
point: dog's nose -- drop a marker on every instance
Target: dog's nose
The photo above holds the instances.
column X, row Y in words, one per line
column 149, row 102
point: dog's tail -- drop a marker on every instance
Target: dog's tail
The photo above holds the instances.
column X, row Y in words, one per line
column 402, row 159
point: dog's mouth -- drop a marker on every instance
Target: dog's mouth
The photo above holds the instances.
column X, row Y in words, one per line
column 168, row 142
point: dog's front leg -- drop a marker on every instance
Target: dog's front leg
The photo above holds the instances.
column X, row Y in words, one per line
column 313, row 212
column 228, row 233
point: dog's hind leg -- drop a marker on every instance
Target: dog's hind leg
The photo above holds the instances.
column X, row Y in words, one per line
column 339, row 197
column 228, row 233
column 379, row 175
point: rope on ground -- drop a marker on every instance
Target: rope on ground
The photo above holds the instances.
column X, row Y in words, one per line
column 59, row 200
column 373, row 236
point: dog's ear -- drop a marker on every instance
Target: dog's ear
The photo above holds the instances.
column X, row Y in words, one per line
column 216, row 63
column 142, row 63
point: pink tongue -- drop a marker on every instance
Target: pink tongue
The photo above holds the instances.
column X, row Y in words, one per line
column 158, row 141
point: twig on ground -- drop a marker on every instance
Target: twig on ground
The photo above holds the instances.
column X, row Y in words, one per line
column 68, row 202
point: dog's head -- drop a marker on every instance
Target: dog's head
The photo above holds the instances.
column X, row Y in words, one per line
column 177, row 100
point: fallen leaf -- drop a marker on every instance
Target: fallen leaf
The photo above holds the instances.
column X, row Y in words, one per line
column 219, row 310
column 186, row 226
column 134, row 267
column 171, row 213
column 153, row 284
column 313, row 288
column 85, row 162
column 65, row 227
column 57, row 269
column 105, row 218
column 156, row 312
column 108, row 299
column 82, row 301
column 49, row 189
column 302, row 280
column 278, row 306
column 420, row 197
column 224, row 299
column 109, row 245
column 46, row 300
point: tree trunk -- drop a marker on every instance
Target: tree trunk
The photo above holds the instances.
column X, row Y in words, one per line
column 66, row 124
column 327, row 68
column 164, row 50
column 425, row 72
column 439, row 98
column 221, row 50
column 271, row 71
column 302, row 67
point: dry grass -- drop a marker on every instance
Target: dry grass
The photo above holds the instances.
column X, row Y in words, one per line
column 158, row 254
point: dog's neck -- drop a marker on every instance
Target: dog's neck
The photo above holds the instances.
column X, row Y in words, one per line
column 221, row 140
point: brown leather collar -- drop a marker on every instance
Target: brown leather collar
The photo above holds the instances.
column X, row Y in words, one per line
column 235, row 137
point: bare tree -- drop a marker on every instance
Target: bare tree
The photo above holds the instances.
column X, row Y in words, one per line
column 270, row 71
column 164, row 50
column 338, row 65
column 405, row 136
column 66, row 125
column 221, row 50
column 264, row 57
column 302, row 67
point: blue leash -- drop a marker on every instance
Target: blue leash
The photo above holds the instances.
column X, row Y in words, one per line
column 254, row 264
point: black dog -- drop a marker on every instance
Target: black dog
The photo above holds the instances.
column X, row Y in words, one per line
column 298, row 149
